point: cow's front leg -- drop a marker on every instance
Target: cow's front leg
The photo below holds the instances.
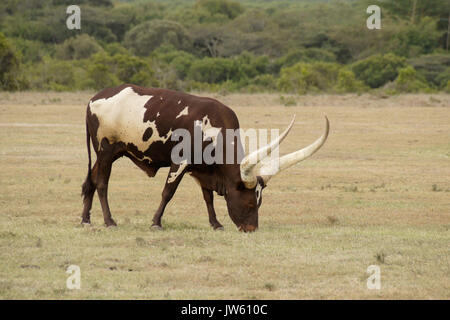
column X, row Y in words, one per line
column 208, row 196
column 174, row 177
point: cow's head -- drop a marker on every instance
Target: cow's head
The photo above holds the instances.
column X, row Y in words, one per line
column 245, row 198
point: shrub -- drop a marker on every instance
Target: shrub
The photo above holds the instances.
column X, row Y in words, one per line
column 304, row 55
column 214, row 70
column 115, row 48
column 409, row 81
column 377, row 70
column 264, row 82
column 30, row 51
column 443, row 78
column 9, row 67
column 435, row 68
column 251, row 66
column 106, row 71
column 51, row 74
column 347, row 82
column 79, row 47
column 131, row 69
column 308, row 77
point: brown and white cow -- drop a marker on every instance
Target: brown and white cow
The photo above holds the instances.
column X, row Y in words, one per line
column 138, row 123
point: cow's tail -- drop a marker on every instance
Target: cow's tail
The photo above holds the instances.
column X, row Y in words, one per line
column 88, row 187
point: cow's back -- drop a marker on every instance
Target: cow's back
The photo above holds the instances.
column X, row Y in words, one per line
column 143, row 119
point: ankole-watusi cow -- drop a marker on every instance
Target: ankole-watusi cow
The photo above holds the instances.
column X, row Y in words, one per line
column 140, row 123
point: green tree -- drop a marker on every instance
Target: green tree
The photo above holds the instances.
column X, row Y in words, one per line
column 146, row 37
column 9, row 66
column 230, row 9
column 78, row 47
column 435, row 68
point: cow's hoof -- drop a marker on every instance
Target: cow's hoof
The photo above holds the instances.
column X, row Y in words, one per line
column 85, row 224
column 219, row 228
column 111, row 223
column 156, row 227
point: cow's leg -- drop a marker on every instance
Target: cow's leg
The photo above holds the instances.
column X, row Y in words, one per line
column 88, row 191
column 104, row 171
column 208, row 196
column 176, row 173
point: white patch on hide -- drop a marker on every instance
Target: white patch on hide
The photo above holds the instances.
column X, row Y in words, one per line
column 209, row 132
column 121, row 119
column 174, row 175
column 183, row 112
column 258, row 191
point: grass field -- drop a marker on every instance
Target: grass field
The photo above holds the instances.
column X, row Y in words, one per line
column 377, row 193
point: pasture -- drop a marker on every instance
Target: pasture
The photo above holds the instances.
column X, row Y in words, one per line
column 377, row 193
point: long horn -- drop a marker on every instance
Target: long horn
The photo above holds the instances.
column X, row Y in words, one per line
column 268, row 170
column 249, row 162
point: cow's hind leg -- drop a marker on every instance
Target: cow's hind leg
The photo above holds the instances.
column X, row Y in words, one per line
column 176, row 173
column 88, row 191
column 104, row 171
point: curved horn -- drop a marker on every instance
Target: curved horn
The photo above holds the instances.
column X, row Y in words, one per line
column 271, row 168
column 249, row 162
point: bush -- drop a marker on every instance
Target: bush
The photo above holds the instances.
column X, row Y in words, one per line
column 51, row 74
column 251, row 66
column 378, row 70
column 9, row 67
column 106, row 71
column 304, row 55
column 443, row 78
column 347, row 82
column 409, row 81
column 115, row 48
column 31, row 51
column 214, row 70
column 131, row 69
column 101, row 76
column 264, row 82
column 308, row 77
column 79, row 47
column 180, row 61
column 435, row 68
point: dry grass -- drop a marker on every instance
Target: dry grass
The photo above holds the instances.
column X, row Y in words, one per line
column 377, row 193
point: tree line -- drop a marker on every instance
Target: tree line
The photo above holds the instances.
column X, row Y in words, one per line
column 224, row 45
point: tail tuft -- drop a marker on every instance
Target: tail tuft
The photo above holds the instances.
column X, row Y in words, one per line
column 88, row 187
